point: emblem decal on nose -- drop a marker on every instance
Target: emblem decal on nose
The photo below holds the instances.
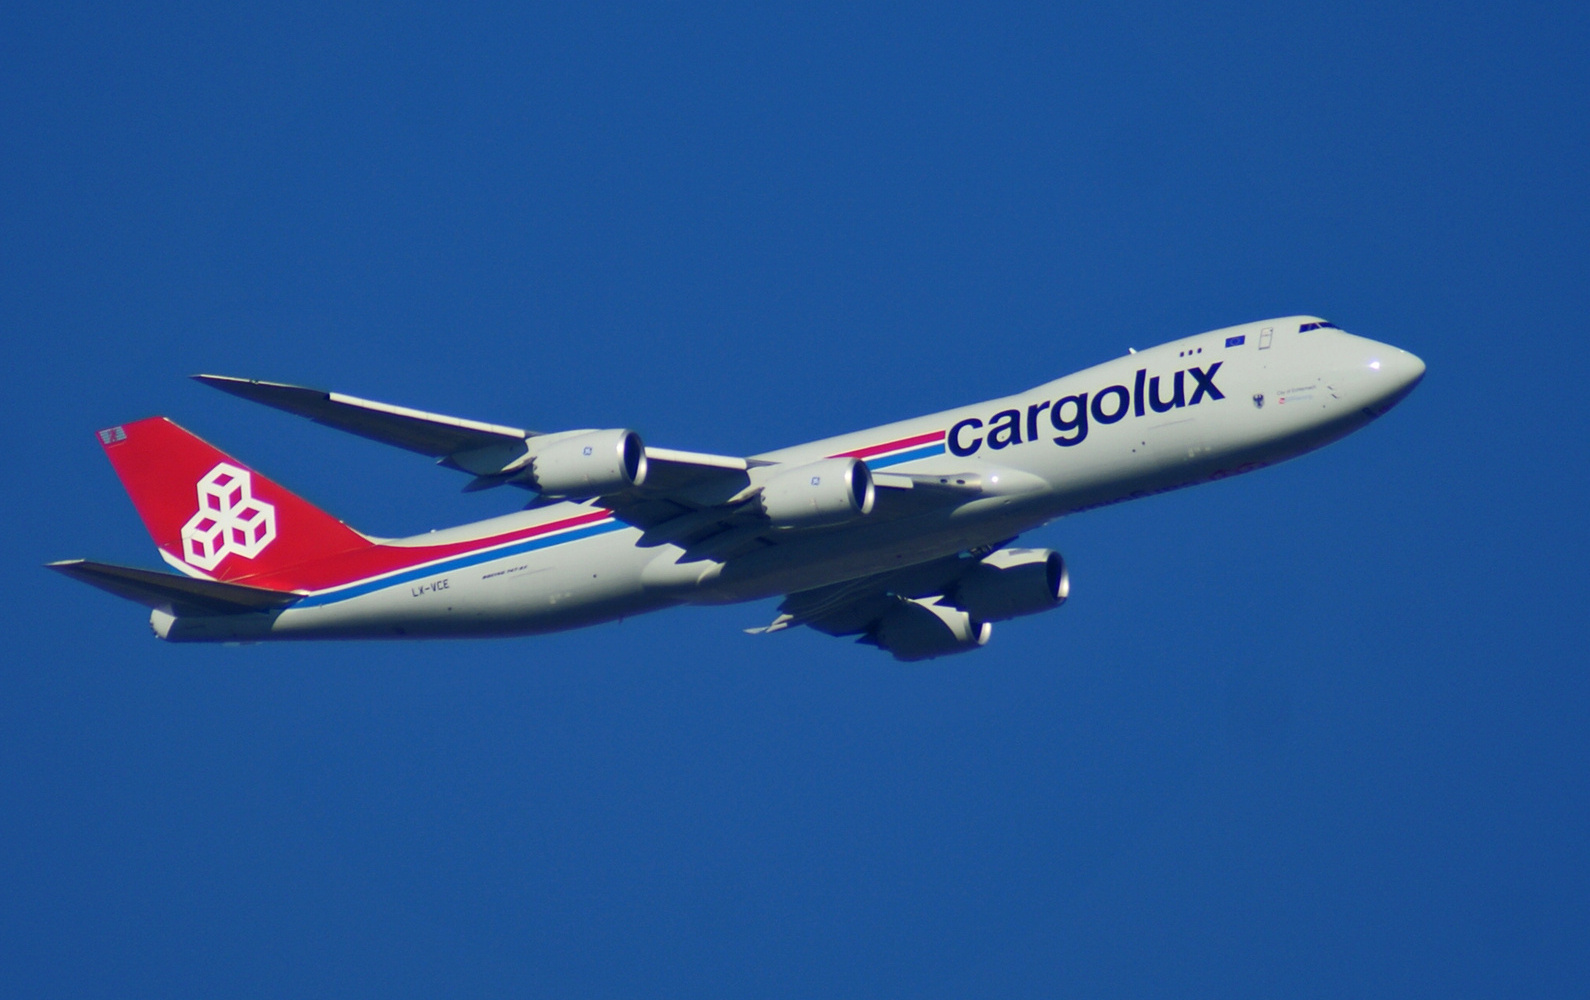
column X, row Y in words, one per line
column 1258, row 400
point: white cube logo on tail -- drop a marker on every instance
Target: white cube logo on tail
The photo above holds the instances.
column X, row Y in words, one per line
column 229, row 520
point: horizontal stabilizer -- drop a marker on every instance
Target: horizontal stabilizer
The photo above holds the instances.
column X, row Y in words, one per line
column 179, row 595
column 431, row 434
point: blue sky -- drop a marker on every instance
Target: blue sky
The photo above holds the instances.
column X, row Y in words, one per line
column 1317, row 731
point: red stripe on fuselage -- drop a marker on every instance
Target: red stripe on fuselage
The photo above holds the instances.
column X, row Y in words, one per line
column 362, row 564
column 900, row 445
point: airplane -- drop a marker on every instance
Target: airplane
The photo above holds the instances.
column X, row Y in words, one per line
column 899, row 535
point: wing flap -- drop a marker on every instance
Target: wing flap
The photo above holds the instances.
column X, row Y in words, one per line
column 855, row 606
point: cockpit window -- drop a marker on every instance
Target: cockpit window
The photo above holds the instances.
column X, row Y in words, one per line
column 1323, row 324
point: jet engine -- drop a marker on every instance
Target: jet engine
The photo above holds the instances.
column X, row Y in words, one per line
column 827, row 492
column 923, row 629
column 591, row 464
column 1010, row 583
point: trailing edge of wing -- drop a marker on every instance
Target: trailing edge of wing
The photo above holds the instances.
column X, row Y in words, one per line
column 431, row 434
column 855, row 606
column 177, row 594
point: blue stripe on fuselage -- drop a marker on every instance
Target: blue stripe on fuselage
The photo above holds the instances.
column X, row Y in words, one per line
column 936, row 448
column 454, row 564
column 350, row 591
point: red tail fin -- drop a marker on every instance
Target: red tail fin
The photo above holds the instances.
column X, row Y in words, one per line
column 210, row 513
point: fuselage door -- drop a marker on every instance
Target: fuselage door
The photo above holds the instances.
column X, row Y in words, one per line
column 1264, row 337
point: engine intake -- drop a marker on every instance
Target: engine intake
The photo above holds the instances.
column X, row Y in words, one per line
column 1010, row 583
column 831, row 491
column 923, row 629
column 591, row 464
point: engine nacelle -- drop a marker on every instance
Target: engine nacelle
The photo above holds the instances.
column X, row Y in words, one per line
column 827, row 492
column 1010, row 583
column 923, row 629
column 592, row 464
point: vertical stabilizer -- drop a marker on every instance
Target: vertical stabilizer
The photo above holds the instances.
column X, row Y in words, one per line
column 213, row 516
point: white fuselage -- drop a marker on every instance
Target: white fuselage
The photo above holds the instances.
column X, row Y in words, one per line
column 1185, row 412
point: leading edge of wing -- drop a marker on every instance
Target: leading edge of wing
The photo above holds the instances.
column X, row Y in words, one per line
column 442, row 436
column 433, row 434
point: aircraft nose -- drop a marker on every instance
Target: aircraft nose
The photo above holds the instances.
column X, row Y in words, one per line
column 1390, row 373
column 1400, row 367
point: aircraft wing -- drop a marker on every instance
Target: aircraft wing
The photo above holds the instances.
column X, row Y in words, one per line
column 469, row 445
column 427, row 433
column 856, row 606
column 719, row 518
column 702, row 502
